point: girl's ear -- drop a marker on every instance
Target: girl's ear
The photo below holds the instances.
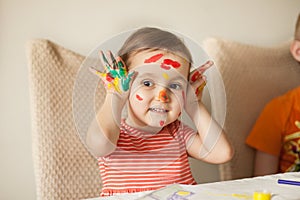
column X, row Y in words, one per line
column 295, row 49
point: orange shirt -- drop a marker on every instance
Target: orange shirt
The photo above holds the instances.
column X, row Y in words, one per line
column 277, row 130
column 144, row 161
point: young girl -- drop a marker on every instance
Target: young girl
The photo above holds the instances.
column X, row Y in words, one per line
column 149, row 148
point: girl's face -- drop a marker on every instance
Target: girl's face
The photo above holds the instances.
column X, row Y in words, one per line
column 158, row 92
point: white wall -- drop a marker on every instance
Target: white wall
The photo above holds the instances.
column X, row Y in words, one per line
column 82, row 25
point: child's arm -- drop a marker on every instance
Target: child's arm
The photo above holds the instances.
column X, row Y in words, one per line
column 210, row 144
column 103, row 133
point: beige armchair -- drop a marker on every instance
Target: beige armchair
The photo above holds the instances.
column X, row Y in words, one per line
column 252, row 76
column 64, row 169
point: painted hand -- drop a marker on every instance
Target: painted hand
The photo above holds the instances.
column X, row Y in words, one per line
column 116, row 77
column 197, row 82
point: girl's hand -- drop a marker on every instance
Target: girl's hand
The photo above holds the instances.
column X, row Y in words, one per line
column 116, row 78
column 197, row 82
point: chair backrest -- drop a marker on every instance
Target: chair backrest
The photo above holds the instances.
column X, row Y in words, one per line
column 64, row 169
column 252, row 76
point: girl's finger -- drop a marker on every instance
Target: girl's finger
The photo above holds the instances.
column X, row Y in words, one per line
column 94, row 71
column 206, row 66
column 113, row 60
column 198, row 73
column 104, row 61
column 122, row 67
column 199, row 81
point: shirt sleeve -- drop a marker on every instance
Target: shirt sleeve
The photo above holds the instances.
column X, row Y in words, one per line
column 266, row 135
column 188, row 134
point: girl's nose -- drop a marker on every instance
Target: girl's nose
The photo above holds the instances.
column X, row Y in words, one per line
column 163, row 96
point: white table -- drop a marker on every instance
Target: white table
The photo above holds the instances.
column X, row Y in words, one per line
column 236, row 189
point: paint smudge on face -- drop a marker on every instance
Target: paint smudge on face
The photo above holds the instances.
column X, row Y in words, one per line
column 161, row 123
column 168, row 63
column 163, row 97
column 164, row 66
column 139, row 97
column 154, row 58
column 166, row 76
column 173, row 63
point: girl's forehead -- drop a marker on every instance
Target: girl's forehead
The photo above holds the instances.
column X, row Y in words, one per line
column 157, row 72
column 164, row 62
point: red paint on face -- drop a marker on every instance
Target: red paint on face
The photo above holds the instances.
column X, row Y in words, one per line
column 161, row 123
column 153, row 58
column 139, row 97
column 164, row 66
column 173, row 63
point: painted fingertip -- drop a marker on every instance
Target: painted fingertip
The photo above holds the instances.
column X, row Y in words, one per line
column 94, row 71
column 113, row 60
column 104, row 59
column 210, row 62
column 195, row 76
column 120, row 62
column 91, row 69
column 132, row 74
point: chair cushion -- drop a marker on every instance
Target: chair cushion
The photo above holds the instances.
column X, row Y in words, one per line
column 64, row 169
column 252, row 76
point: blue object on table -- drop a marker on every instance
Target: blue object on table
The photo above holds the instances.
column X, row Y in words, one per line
column 288, row 182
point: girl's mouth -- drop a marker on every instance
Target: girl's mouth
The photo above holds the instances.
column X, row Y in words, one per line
column 158, row 110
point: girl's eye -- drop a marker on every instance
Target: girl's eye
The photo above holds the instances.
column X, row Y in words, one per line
column 175, row 86
column 148, row 83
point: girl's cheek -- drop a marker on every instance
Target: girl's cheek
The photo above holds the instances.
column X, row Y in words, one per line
column 179, row 96
column 139, row 97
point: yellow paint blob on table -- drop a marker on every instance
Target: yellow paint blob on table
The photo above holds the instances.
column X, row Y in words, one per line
column 261, row 196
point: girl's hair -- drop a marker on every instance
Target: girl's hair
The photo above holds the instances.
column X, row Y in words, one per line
column 152, row 39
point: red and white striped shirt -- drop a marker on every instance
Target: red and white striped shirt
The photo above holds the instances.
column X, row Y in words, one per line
column 143, row 161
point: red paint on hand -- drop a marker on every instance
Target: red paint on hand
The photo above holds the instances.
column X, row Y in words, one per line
column 195, row 76
column 109, row 78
